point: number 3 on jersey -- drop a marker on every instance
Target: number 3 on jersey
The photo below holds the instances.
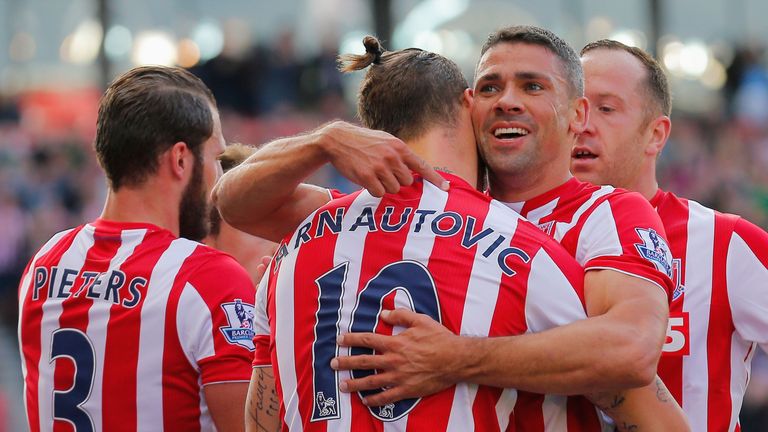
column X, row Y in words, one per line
column 678, row 335
column 409, row 276
column 67, row 405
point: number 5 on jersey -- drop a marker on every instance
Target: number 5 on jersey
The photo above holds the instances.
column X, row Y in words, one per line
column 678, row 335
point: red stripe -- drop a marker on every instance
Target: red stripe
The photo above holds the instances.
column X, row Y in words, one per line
column 674, row 215
column 271, row 286
column 31, row 327
column 528, row 413
column 181, row 394
column 121, row 351
column 719, row 403
column 582, row 415
column 75, row 309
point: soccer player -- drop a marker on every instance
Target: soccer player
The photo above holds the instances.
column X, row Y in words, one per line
column 248, row 250
column 528, row 109
column 296, row 151
column 125, row 323
column 719, row 310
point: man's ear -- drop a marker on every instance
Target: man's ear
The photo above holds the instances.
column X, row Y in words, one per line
column 179, row 159
column 581, row 118
column 660, row 128
column 468, row 97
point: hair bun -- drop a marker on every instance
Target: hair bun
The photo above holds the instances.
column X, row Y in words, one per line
column 373, row 46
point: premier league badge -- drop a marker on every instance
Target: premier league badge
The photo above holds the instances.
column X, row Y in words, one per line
column 240, row 319
column 655, row 249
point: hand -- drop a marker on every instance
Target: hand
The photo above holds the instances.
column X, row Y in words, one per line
column 261, row 269
column 420, row 361
column 375, row 159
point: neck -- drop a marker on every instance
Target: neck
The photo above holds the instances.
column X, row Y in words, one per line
column 531, row 181
column 145, row 203
column 449, row 150
column 646, row 183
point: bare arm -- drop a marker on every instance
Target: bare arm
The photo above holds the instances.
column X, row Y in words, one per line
column 264, row 196
column 617, row 348
column 263, row 407
column 649, row 408
column 226, row 401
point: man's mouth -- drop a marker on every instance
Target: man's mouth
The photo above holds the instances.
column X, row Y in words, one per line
column 583, row 154
column 510, row 133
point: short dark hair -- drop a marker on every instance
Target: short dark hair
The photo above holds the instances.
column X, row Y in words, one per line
column 656, row 83
column 406, row 91
column 143, row 113
column 543, row 37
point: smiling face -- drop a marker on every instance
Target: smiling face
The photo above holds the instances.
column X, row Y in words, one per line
column 523, row 112
column 613, row 148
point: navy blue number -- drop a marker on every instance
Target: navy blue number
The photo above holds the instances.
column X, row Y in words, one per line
column 67, row 405
column 411, row 277
column 324, row 348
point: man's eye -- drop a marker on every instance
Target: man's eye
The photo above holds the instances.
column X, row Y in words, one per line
column 606, row 109
column 534, row 86
column 488, row 88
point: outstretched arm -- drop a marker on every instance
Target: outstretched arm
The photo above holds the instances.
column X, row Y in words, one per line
column 617, row 348
column 264, row 196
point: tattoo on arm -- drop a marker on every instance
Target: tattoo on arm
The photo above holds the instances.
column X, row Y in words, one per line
column 265, row 407
column 662, row 394
column 443, row 169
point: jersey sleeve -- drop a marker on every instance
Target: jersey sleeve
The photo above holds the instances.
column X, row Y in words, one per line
column 747, row 279
column 624, row 233
column 555, row 294
column 216, row 320
column 262, row 332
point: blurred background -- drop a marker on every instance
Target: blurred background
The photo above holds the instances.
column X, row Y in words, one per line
column 271, row 66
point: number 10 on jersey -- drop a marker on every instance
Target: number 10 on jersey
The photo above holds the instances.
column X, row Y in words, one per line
column 412, row 278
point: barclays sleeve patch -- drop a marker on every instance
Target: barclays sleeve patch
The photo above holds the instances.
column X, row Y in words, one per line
column 655, row 249
column 240, row 319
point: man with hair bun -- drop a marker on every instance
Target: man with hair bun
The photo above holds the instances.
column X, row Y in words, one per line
column 436, row 126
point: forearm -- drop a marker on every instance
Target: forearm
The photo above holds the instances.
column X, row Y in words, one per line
column 262, row 406
column 252, row 197
column 649, row 408
column 596, row 354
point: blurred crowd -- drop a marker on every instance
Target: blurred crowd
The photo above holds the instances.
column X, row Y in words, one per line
column 49, row 183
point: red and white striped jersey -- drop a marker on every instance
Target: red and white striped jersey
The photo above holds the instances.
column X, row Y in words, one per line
column 719, row 310
column 604, row 228
column 122, row 324
column 458, row 256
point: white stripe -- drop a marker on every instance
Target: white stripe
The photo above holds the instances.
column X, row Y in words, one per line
column 149, row 381
column 747, row 280
column 26, row 281
column 417, row 247
column 194, row 326
column 98, row 320
column 73, row 259
column 504, row 407
column 561, row 228
column 349, row 247
column 537, row 214
column 551, row 300
column 284, row 337
column 598, row 236
column 555, row 413
column 697, row 300
column 461, row 418
column 206, row 421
